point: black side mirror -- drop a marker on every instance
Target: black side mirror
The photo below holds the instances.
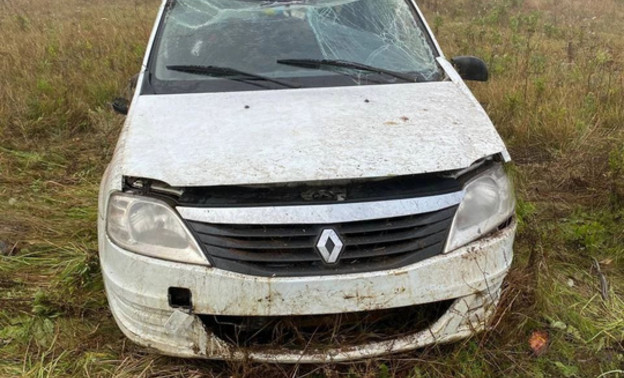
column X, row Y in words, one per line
column 471, row 68
column 121, row 105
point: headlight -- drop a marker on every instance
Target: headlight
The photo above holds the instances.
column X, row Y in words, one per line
column 150, row 227
column 488, row 202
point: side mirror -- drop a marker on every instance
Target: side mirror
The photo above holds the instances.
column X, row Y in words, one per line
column 471, row 68
column 121, row 105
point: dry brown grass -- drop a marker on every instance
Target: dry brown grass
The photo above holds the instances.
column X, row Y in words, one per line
column 556, row 96
column 62, row 61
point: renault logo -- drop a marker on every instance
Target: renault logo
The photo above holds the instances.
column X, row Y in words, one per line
column 330, row 246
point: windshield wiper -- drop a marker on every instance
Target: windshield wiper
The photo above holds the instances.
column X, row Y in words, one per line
column 228, row 73
column 320, row 64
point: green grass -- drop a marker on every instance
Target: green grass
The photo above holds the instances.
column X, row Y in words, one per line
column 556, row 96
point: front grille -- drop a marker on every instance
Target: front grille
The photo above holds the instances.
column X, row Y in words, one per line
column 312, row 332
column 290, row 249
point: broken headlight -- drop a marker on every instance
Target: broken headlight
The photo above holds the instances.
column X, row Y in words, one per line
column 150, row 227
column 488, row 202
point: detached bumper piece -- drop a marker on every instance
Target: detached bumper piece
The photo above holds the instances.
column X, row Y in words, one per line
column 306, row 339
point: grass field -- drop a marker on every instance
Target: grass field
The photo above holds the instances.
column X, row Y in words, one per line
column 556, row 96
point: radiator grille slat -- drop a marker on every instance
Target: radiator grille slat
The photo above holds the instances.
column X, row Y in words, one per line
column 390, row 237
column 263, row 244
column 387, row 250
column 255, row 232
column 264, row 257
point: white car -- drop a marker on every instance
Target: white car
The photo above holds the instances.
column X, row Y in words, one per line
column 303, row 181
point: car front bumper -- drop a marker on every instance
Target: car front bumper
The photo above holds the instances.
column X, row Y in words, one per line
column 137, row 290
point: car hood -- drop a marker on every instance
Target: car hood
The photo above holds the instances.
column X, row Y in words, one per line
column 312, row 134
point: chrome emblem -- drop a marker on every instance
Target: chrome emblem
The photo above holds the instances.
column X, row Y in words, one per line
column 330, row 246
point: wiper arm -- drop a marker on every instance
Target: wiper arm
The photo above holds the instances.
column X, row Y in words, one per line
column 320, row 64
column 227, row 73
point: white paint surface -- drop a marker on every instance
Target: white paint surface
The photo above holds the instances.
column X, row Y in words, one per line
column 305, row 134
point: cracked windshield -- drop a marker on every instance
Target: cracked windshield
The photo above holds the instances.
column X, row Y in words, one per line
column 305, row 43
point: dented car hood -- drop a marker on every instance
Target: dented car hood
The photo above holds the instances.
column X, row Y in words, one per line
column 296, row 135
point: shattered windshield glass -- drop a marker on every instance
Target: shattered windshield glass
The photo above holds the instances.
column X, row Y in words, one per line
column 251, row 36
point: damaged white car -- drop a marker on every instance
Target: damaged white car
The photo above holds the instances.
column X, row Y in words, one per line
column 303, row 181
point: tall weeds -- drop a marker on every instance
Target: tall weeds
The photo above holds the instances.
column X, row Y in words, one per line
column 556, row 96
